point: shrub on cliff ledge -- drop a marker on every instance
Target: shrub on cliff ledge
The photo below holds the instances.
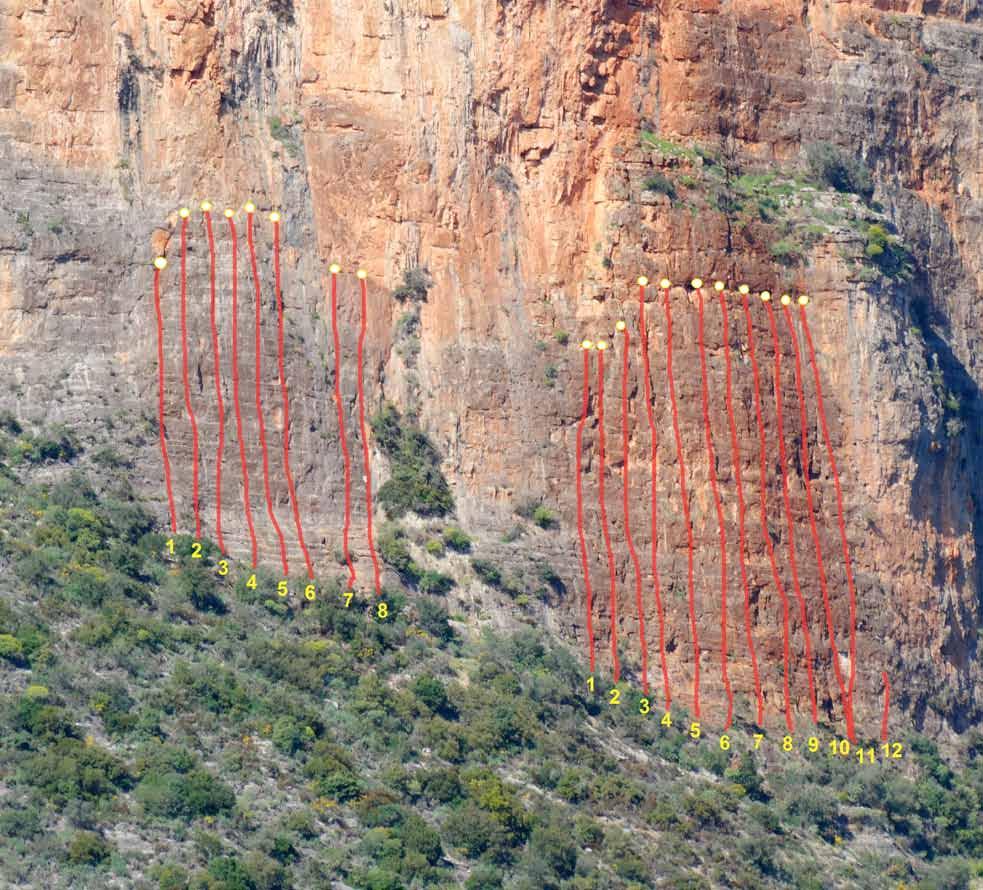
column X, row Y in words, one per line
column 833, row 166
column 416, row 283
column 416, row 484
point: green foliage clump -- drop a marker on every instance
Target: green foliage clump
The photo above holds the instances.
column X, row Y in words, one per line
column 333, row 772
column 88, row 848
column 71, row 770
column 197, row 584
column 662, row 184
column 395, row 552
column 487, row 572
column 833, row 166
column 416, row 483
column 456, row 539
column 887, row 253
column 786, row 252
column 174, row 786
column 11, row 649
column 435, row 582
column 416, row 283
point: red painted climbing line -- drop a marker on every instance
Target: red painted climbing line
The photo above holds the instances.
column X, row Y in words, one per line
column 719, row 507
column 887, row 705
column 342, row 436
column 839, row 505
column 686, row 516
column 735, row 450
column 589, row 594
column 804, row 424
column 160, row 393
column 184, row 371
column 763, row 498
column 220, row 408
column 643, row 331
column 625, row 508
column 604, row 513
column 365, row 436
column 259, row 397
column 275, row 217
column 790, row 521
column 235, row 387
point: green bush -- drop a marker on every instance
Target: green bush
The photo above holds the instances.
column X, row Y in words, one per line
column 786, row 251
column 833, row 166
column 886, row 252
column 456, row 539
column 88, row 848
column 170, row 877
column 475, row 832
column 662, row 184
column 416, row 283
column 416, row 483
column 12, row 649
column 395, row 552
column 21, row 824
column 487, row 572
column 432, row 693
column 435, row 583
column 434, row 619
column 70, row 770
column 188, row 795
column 197, row 584
column 333, row 773
column 484, row 876
column 544, row 517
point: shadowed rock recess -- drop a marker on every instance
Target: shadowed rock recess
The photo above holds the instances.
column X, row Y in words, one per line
column 504, row 171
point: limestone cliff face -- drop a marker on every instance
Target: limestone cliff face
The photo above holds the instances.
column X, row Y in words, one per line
column 497, row 144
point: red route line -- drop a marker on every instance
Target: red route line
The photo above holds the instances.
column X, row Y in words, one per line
column 342, row 436
column 804, row 424
column 839, row 506
column 788, row 513
column 887, row 705
column 235, row 391
column 160, row 400
column 763, row 469
column 286, row 401
column 624, row 503
column 580, row 509
column 686, row 516
column 365, row 439
column 218, row 384
column 718, row 505
column 259, row 399
column 643, row 331
column 184, row 374
column 604, row 516
column 741, row 507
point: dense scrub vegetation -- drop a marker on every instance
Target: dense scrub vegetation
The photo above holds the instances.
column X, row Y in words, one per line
column 416, row 483
column 165, row 727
